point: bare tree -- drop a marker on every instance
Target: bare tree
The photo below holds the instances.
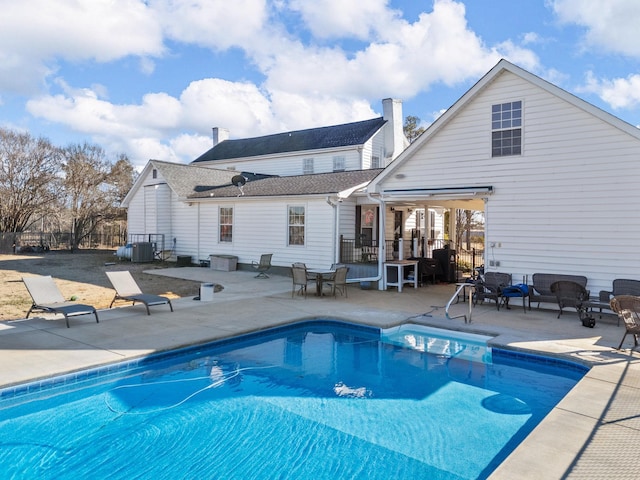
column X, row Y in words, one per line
column 466, row 222
column 411, row 129
column 29, row 185
column 94, row 188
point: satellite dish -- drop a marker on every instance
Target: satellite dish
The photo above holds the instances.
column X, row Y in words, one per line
column 238, row 180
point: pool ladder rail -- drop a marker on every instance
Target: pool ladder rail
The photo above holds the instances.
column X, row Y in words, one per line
column 462, row 288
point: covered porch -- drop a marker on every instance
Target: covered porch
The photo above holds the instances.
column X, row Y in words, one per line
column 446, row 226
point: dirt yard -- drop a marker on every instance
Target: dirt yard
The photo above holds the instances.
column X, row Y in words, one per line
column 80, row 276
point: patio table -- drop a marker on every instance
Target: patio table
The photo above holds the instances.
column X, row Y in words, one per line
column 321, row 274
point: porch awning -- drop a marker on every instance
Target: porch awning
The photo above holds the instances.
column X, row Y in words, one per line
column 439, row 196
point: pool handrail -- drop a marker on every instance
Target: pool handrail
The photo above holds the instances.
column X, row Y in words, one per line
column 461, row 287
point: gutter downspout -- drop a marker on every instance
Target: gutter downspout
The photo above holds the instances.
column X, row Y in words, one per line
column 334, row 236
column 382, row 245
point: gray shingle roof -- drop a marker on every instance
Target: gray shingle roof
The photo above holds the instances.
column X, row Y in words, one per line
column 320, row 183
column 185, row 180
column 348, row 134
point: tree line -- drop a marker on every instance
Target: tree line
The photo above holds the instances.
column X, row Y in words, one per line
column 73, row 189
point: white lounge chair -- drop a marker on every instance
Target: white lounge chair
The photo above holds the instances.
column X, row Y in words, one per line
column 47, row 298
column 127, row 289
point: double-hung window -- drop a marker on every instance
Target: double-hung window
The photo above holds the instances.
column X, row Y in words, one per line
column 339, row 163
column 295, row 224
column 225, row 220
column 307, row 166
column 506, row 129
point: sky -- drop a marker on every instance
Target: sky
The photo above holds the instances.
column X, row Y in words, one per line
column 151, row 78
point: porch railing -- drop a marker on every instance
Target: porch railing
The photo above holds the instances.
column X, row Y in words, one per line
column 353, row 251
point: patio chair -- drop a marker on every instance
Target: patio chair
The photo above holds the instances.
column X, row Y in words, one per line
column 300, row 279
column 263, row 266
column 627, row 307
column 573, row 294
column 338, row 282
column 489, row 287
column 127, row 289
column 47, row 297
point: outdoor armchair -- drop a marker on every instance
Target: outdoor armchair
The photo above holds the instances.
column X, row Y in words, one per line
column 263, row 266
column 628, row 309
column 573, row 294
column 489, row 287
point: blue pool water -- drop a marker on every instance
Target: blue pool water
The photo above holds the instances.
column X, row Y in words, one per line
column 315, row 400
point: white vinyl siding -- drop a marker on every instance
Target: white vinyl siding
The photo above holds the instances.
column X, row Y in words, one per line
column 575, row 171
column 292, row 164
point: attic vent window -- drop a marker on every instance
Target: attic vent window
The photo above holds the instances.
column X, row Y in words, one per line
column 154, row 173
column 506, row 129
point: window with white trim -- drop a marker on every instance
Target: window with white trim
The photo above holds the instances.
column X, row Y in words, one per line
column 225, row 220
column 375, row 161
column 339, row 163
column 296, row 225
column 307, row 166
column 506, row 129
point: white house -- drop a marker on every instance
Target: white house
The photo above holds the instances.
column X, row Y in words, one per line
column 556, row 177
column 299, row 195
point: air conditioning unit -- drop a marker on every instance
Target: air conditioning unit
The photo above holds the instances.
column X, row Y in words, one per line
column 142, row 252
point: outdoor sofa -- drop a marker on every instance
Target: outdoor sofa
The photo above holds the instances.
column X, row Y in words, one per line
column 540, row 289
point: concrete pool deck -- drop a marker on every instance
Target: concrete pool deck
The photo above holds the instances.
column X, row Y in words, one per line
column 593, row 433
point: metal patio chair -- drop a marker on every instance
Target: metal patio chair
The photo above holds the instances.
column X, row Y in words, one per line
column 263, row 266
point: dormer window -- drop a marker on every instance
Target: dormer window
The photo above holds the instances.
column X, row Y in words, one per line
column 506, row 129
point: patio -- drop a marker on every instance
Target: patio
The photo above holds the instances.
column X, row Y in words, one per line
column 581, row 437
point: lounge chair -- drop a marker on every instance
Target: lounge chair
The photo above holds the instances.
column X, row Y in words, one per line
column 127, row 289
column 628, row 309
column 573, row 294
column 47, row 297
column 263, row 266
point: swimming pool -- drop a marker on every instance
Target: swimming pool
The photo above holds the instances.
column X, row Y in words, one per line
column 319, row 399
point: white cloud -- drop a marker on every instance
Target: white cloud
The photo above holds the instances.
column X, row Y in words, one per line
column 305, row 80
column 619, row 92
column 611, row 25
column 356, row 19
column 36, row 34
column 218, row 24
column 405, row 59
